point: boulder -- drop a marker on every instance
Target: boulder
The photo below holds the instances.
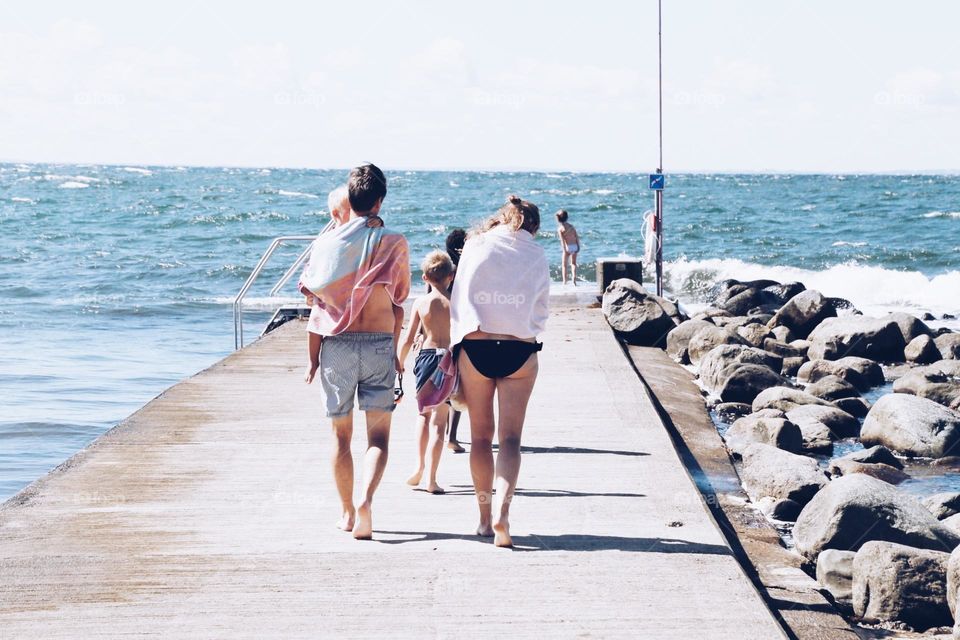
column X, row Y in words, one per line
column 855, row 509
column 802, row 346
column 931, row 383
column 706, row 339
column 949, row 345
column 840, row 423
column 784, row 398
column 844, row 307
column 816, row 436
column 910, row 326
column 791, row 366
column 784, row 510
column 878, row 470
column 832, row 388
column 943, row 505
column 783, row 334
column 768, row 471
column 835, row 573
column 912, row 426
column 742, row 302
column 714, row 363
column 857, row 407
column 860, row 372
column 803, row 312
column 953, row 583
column 710, row 313
column 754, row 333
column 744, row 382
column 730, row 411
column 728, row 289
column 921, row 350
column 782, row 349
column 874, row 455
column 783, row 292
column 894, row 582
column 636, row 315
column 953, row 522
column 775, row 431
column 873, row 338
column 679, row 338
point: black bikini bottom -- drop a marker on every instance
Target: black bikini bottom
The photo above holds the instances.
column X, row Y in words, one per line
column 499, row 358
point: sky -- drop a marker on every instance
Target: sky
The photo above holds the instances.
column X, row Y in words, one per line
column 751, row 86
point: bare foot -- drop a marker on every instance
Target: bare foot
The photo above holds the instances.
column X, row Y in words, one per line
column 485, row 530
column 311, row 372
column 435, row 489
column 501, row 534
column 363, row 529
column 414, row 480
column 455, row 446
column 346, row 521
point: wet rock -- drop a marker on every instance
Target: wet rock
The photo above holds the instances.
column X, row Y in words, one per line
column 742, row 302
column 744, row 382
column 949, row 345
column 783, row 334
column 855, row 509
column 910, row 326
column 862, row 373
column 874, row 338
column 774, row 430
column 782, row 349
column 679, row 338
column 878, row 470
column 921, row 350
column 843, row 307
column 948, row 316
column 832, row 388
column 874, row 455
column 943, row 505
column 768, row 471
column 784, row 510
column 927, row 316
column 714, row 363
column 636, row 315
column 803, row 312
column 912, row 426
column 783, row 292
column 858, row 406
column 938, row 382
column 730, row 411
column 785, row 398
column 897, row 582
column 835, row 573
column 706, row 339
column 840, row 423
column 754, row 333
column 791, row 366
column 730, row 290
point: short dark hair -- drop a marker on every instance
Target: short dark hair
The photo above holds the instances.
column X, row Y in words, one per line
column 455, row 242
column 366, row 186
column 562, row 215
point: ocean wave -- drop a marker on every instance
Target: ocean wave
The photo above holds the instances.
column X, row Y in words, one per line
column 143, row 172
column 844, row 243
column 295, row 194
column 942, row 214
column 24, row 200
column 873, row 290
column 72, row 184
column 255, row 303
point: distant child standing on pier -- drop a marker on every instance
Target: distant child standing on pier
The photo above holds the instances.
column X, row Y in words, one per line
column 431, row 313
column 360, row 276
column 569, row 244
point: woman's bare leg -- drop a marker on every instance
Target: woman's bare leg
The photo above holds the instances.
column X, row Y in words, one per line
column 478, row 392
column 513, row 394
column 422, row 436
column 438, row 428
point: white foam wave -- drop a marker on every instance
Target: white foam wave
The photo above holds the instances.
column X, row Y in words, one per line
column 844, row 243
column 73, row 184
column 25, row 200
column 808, row 207
column 873, row 290
column 141, row 171
column 295, row 194
column 257, row 303
column 603, row 192
column 942, row 214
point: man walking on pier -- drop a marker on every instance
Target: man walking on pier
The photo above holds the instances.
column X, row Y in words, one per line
column 359, row 275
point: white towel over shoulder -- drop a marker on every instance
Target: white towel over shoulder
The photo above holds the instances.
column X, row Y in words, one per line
column 502, row 286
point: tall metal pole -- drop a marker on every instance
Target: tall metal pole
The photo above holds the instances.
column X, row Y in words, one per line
column 658, row 195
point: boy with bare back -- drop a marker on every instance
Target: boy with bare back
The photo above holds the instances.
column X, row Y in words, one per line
column 569, row 244
column 359, row 276
column 430, row 312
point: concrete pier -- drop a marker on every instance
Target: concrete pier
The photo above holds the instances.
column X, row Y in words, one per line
column 209, row 513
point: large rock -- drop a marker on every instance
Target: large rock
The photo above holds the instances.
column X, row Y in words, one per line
column 679, row 338
column 912, row 426
column 832, row 388
column 773, row 430
column 857, row 407
column 949, row 345
column 921, row 350
column 887, row 473
column 636, row 315
column 803, row 312
column 894, row 582
column 910, row 326
column 703, row 341
column 932, row 383
column 816, row 436
column 744, row 382
column 862, row 373
column 742, row 302
column 874, row 455
column 714, row 363
column 785, row 399
column 943, row 505
column 783, row 349
column 855, row 509
column 754, row 333
column 781, row 293
column 840, row 423
column 953, row 583
column 874, row 338
column 768, row 471
column 835, row 573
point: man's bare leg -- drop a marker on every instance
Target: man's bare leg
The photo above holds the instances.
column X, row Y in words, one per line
column 573, row 267
column 478, row 391
column 438, row 428
column 343, row 468
column 563, row 266
column 453, row 444
column 422, row 437
column 513, row 393
column 374, row 462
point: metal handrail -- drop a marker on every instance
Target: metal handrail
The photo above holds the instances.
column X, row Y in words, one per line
column 238, row 300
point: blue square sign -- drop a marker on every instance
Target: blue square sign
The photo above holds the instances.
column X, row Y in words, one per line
column 656, row 181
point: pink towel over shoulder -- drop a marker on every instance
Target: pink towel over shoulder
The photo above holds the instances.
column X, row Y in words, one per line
column 345, row 264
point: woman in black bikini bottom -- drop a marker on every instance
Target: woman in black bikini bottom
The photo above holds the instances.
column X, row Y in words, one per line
column 499, row 358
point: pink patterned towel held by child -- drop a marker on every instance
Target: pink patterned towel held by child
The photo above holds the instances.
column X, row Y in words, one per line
column 440, row 386
column 345, row 264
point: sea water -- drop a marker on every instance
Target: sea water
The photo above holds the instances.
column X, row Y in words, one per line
column 115, row 282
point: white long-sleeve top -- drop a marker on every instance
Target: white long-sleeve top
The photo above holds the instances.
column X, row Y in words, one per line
column 502, row 286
